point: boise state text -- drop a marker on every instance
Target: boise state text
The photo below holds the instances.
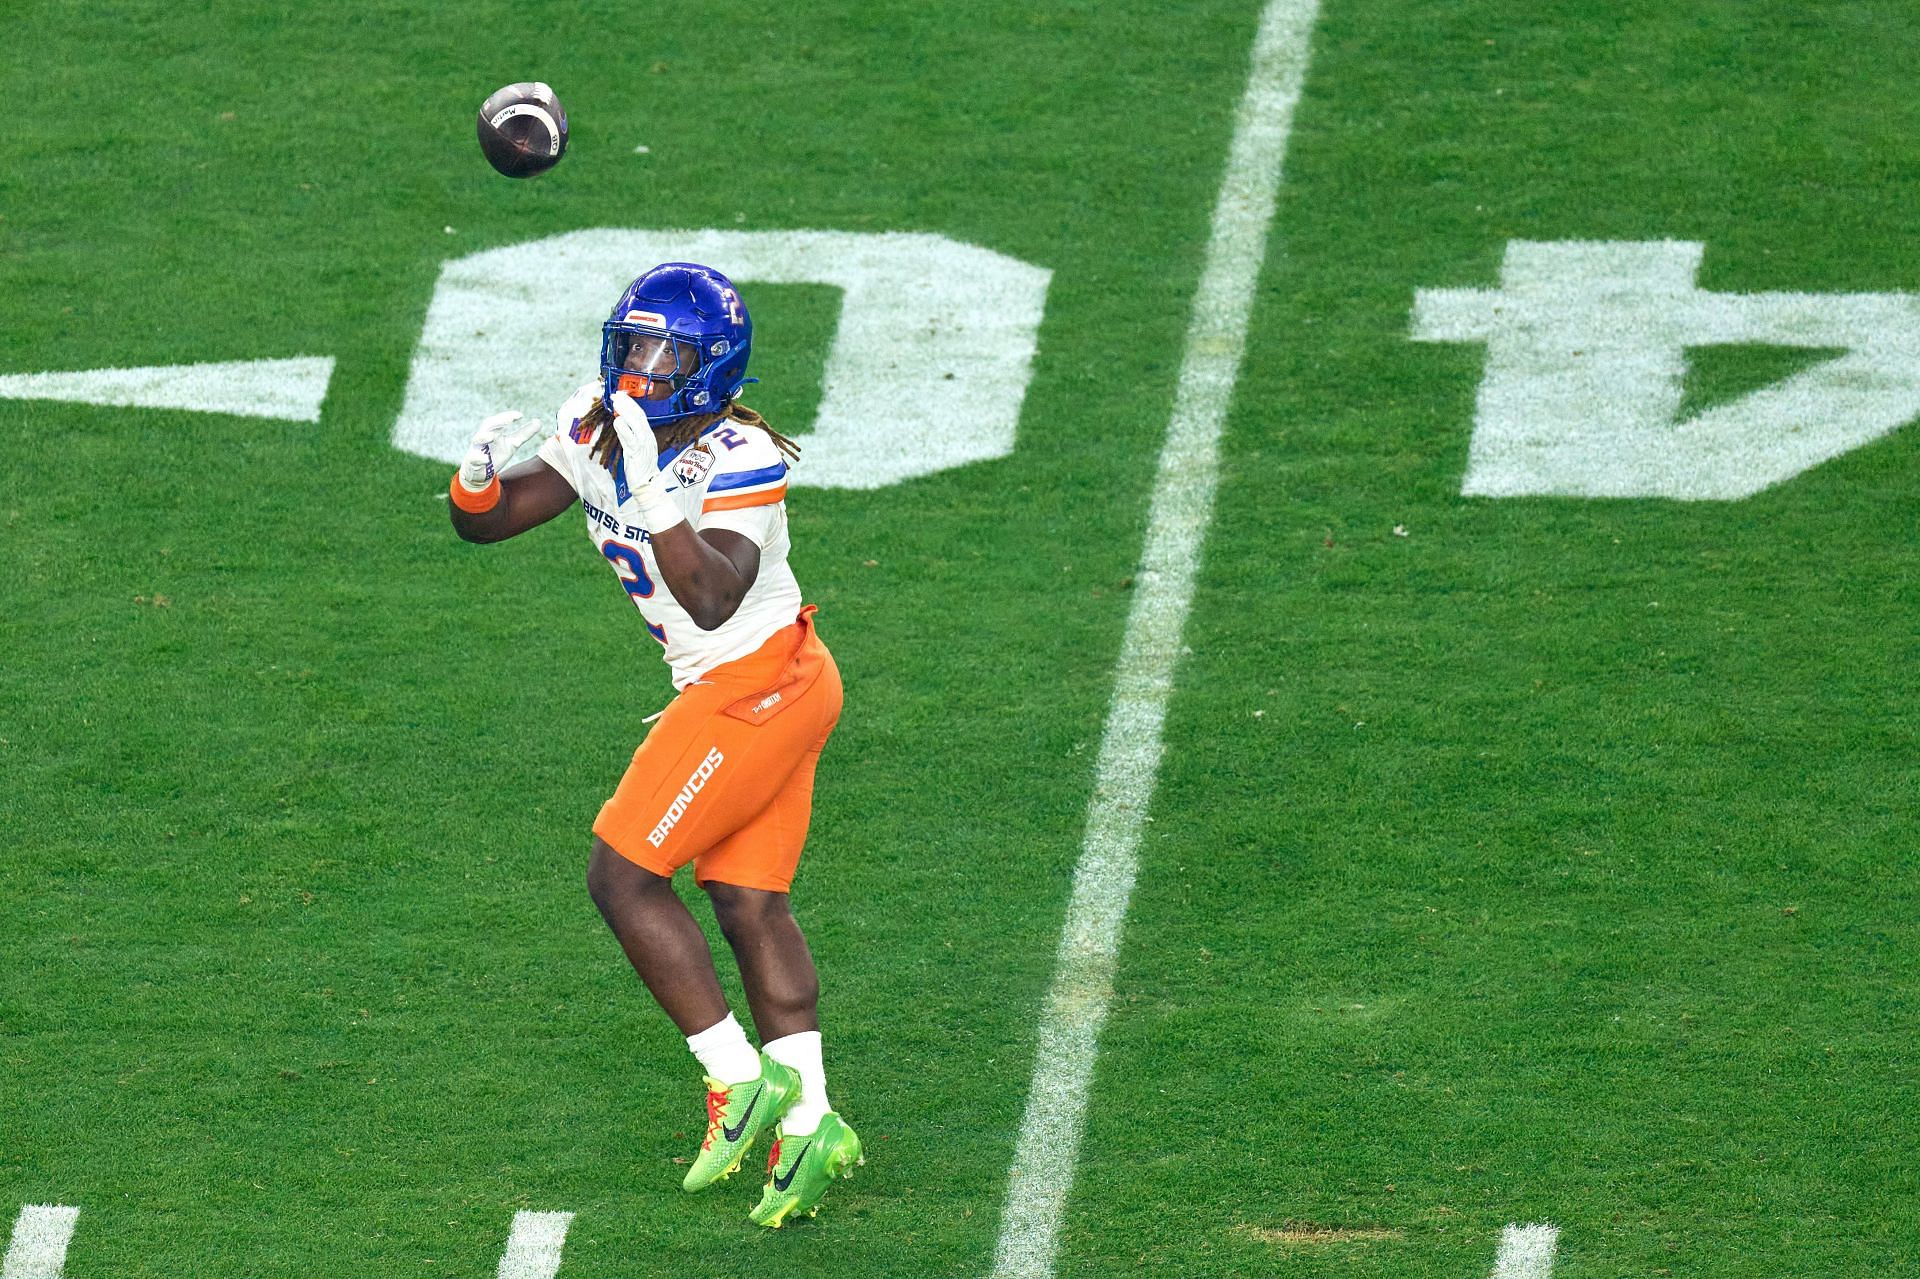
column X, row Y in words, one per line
column 631, row 532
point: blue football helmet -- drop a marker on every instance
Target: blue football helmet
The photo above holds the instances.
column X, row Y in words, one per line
column 677, row 343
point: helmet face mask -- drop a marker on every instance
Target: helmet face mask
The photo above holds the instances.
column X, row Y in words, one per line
column 677, row 342
column 650, row 364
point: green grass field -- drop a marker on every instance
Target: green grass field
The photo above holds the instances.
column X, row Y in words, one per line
column 1549, row 860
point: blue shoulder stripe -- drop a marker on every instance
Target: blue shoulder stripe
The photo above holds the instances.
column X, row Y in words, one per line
column 747, row 479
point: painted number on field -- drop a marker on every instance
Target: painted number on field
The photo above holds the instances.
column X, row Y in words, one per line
column 927, row 370
column 1586, row 357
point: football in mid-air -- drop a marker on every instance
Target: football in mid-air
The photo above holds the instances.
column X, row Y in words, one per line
column 523, row 129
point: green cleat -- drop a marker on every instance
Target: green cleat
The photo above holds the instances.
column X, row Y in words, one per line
column 800, row 1168
column 736, row 1114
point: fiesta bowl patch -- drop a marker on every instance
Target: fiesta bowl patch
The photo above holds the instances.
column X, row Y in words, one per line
column 692, row 467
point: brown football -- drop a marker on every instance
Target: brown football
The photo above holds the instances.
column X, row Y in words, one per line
column 523, row 129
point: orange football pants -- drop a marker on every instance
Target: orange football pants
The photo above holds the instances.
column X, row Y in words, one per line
column 725, row 779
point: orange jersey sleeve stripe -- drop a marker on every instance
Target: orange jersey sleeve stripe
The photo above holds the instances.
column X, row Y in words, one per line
column 739, row 501
column 476, row 503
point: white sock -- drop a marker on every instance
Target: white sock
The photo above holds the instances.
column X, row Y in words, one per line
column 724, row 1052
column 802, row 1053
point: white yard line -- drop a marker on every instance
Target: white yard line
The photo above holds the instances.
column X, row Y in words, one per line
column 1076, row 1007
column 1526, row 1252
column 533, row 1247
column 40, row 1238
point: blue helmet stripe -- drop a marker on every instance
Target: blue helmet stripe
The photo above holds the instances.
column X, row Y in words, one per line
column 747, row 479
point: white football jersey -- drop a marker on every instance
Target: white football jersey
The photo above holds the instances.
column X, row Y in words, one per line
column 732, row 477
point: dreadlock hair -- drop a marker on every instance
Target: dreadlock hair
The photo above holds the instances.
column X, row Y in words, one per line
column 606, row 444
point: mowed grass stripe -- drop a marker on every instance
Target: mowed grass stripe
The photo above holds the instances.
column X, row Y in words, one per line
column 1188, row 473
column 1535, row 863
column 284, row 1000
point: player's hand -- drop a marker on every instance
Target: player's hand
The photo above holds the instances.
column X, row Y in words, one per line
column 646, row 482
column 492, row 448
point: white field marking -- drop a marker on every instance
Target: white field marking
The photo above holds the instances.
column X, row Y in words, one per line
column 289, row 389
column 927, row 370
column 1586, row 357
column 1526, row 1252
column 533, row 1247
column 40, row 1238
column 1130, row 747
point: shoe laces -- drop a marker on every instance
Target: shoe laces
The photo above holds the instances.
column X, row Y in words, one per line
column 716, row 1103
column 773, row 1156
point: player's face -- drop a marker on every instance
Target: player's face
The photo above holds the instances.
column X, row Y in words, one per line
column 660, row 361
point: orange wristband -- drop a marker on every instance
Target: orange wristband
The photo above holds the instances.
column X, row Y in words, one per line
column 475, row 503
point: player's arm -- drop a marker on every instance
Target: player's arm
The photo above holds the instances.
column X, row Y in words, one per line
column 709, row 573
column 490, row 505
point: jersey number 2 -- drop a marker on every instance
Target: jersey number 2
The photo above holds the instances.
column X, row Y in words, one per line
column 634, row 578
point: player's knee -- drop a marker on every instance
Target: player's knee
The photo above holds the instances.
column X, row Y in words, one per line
column 612, row 878
column 602, row 878
column 745, row 913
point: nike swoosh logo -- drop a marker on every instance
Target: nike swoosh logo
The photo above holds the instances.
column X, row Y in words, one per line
column 781, row 1183
column 733, row 1134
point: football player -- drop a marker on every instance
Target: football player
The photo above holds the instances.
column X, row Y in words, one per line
column 684, row 493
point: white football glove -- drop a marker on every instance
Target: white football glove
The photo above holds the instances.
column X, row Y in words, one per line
column 492, row 450
column 646, row 482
